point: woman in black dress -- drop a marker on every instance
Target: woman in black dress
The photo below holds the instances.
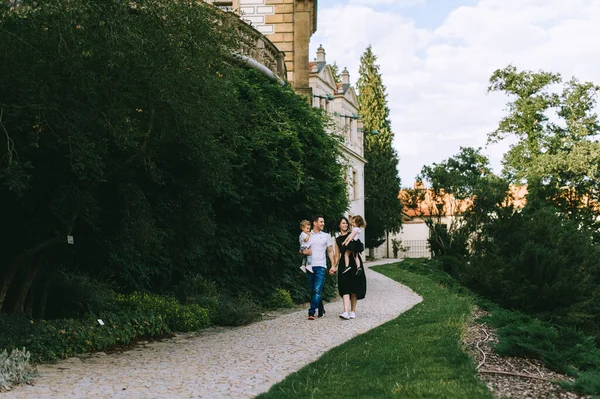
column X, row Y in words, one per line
column 352, row 285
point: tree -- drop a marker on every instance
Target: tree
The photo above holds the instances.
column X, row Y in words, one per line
column 557, row 153
column 463, row 195
column 335, row 71
column 383, row 210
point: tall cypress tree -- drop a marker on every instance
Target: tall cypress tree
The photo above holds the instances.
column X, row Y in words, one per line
column 383, row 210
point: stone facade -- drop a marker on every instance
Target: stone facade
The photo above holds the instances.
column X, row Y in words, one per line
column 340, row 101
column 288, row 24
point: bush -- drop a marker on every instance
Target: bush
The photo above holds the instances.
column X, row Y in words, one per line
column 450, row 264
column 280, row 298
column 15, row 368
column 542, row 263
column 238, row 311
column 75, row 294
column 62, row 338
column 198, row 290
column 178, row 317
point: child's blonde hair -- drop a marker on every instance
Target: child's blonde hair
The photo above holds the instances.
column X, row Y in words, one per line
column 304, row 223
column 359, row 221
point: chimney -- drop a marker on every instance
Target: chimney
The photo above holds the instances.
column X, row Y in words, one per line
column 345, row 77
column 320, row 54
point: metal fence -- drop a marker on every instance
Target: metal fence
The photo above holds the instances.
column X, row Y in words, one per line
column 416, row 249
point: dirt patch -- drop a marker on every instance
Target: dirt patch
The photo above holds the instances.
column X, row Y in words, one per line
column 510, row 377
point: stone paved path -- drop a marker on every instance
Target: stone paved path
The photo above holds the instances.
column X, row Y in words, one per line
column 220, row 362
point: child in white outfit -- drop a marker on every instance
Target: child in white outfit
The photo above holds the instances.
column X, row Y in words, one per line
column 303, row 239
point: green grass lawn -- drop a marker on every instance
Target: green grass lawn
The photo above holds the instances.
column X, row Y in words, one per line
column 417, row 355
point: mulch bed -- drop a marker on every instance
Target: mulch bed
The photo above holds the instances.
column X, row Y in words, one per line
column 510, row 377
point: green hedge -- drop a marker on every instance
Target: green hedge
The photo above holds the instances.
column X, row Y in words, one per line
column 128, row 318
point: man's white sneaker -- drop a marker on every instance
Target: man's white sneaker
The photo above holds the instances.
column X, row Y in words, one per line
column 303, row 268
column 345, row 316
column 309, row 268
column 352, row 315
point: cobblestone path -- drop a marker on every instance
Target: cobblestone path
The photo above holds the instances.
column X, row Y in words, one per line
column 219, row 362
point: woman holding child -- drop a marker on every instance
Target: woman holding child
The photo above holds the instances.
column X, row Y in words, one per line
column 352, row 283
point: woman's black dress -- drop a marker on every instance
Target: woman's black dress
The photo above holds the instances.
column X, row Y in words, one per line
column 353, row 281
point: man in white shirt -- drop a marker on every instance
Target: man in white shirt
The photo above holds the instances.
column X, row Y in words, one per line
column 320, row 244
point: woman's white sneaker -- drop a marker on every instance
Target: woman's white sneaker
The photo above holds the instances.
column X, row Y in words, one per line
column 352, row 315
column 345, row 316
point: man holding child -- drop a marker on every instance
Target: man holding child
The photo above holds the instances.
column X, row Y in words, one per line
column 320, row 248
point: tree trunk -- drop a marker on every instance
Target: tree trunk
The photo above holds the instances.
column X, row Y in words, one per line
column 40, row 311
column 6, row 281
column 21, row 260
column 22, row 297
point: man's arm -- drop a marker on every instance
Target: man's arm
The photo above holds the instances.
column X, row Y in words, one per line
column 331, row 255
column 306, row 251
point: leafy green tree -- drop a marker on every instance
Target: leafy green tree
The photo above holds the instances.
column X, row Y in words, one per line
column 556, row 151
column 383, row 210
column 543, row 258
column 462, row 195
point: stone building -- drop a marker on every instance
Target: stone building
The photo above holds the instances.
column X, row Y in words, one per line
column 339, row 99
column 288, row 24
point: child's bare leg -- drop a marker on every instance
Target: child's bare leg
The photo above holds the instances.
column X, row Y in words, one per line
column 347, row 260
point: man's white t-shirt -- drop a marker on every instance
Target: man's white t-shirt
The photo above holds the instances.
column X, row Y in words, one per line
column 318, row 244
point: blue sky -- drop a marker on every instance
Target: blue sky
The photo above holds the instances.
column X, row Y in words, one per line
column 436, row 57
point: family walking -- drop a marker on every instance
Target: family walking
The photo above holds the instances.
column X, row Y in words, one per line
column 315, row 246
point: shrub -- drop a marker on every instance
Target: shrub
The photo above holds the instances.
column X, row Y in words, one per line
column 59, row 339
column 280, row 298
column 198, row 290
column 238, row 311
column 75, row 294
column 15, row 368
column 179, row 317
column 539, row 262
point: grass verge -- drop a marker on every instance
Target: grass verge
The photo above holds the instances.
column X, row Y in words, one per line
column 417, row 355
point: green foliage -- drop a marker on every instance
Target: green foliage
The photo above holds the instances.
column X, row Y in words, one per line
column 556, row 151
column 62, row 338
column 136, row 133
column 238, row 310
column 15, row 368
column 73, row 295
column 335, row 71
column 382, row 183
column 463, row 195
column 197, row 290
column 189, row 317
column 539, row 262
column 280, row 298
column 397, row 247
column 562, row 348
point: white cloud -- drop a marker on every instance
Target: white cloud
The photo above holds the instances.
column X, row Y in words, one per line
column 437, row 78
